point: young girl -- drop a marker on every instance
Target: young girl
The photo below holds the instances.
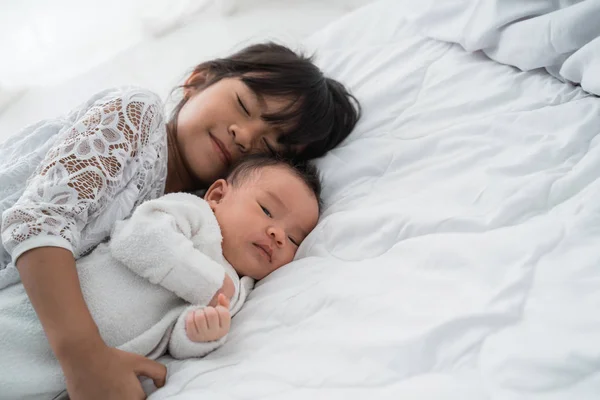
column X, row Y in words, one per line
column 65, row 182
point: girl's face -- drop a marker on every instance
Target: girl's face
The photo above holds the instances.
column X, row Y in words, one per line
column 219, row 124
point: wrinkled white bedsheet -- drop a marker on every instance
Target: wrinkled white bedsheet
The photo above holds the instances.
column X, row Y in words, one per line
column 458, row 256
column 562, row 36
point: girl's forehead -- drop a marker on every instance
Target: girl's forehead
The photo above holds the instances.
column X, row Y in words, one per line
column 282, row 111
column 273, row 105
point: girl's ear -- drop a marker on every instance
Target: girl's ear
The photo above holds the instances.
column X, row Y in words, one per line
column 216, row 193
column 193, row 81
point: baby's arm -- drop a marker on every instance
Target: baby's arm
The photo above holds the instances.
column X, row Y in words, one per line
column 157, row 243
column 200, row 330
column 228, row 289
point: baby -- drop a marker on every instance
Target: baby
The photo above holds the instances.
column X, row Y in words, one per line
column 166, row 278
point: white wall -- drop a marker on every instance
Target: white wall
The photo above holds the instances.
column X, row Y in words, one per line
column 65, row 50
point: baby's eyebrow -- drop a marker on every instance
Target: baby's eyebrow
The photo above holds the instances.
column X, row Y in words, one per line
column 281, row 204
column 303, row 233
column 277, row 200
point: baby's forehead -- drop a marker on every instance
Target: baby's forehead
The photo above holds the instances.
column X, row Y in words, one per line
column 276, row 177
column 282, row 182
column 263, row 174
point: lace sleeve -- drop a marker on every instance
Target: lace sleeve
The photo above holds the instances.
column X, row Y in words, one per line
column 84, row 170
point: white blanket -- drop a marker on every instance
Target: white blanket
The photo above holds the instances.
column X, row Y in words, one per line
column 561, row 36
column 458, row 253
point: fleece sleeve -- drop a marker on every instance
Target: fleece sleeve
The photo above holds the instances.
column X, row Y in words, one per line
column 161, row 241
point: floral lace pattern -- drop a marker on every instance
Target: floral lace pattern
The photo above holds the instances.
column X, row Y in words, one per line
column 98, row 170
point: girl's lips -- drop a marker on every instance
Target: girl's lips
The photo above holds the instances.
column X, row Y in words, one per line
column 222, row 150
column 265, row 251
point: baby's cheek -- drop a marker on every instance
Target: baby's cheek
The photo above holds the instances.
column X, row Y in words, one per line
column 288, row 258
column 293, row 253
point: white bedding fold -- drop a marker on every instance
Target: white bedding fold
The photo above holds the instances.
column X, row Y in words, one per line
column 560, row 36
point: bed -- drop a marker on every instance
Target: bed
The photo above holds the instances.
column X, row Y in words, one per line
column 457, row 256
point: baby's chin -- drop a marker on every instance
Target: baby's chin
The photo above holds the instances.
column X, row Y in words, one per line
column 240, row 266
column 248, row 267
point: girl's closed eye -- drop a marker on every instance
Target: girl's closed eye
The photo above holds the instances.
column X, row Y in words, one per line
column 270, row 149
column 241, row 103
column 267, row 212
column 293, row 241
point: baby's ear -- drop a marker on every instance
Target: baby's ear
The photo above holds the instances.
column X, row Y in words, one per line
column 216, row 193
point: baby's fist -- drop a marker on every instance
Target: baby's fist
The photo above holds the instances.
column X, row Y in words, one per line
column 209, row 323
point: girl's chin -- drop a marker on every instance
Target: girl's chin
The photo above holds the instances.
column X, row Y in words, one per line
column 207, row 172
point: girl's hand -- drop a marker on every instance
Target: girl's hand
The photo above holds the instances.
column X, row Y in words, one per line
column 93, row 371
column 108, row 373
column 209, row 323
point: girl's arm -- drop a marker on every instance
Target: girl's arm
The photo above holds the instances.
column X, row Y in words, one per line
column 92, row 369
column 79, row 177
column 50, row 279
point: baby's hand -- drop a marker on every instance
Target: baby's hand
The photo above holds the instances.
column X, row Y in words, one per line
column 209, row 323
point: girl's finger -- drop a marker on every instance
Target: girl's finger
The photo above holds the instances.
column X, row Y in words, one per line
column 154, row 370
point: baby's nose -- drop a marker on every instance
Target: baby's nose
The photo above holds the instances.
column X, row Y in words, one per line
column 278, row 235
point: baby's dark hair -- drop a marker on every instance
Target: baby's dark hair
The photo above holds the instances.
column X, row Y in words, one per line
column 322, row 112
column 244, row 169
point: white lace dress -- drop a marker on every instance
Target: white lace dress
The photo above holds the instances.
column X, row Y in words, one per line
column 65, row 182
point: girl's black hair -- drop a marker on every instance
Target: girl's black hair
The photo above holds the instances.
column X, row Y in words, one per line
column 322, row 112
column 244, row 169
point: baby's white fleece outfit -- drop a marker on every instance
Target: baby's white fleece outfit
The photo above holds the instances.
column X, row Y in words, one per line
column 161, row 263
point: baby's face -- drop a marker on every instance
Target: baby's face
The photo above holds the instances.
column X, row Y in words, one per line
column 264, row 219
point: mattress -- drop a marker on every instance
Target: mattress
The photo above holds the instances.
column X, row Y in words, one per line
column 457, row 256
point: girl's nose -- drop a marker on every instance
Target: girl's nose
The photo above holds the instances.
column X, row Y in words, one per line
column 247, row 135
column 239, row 138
